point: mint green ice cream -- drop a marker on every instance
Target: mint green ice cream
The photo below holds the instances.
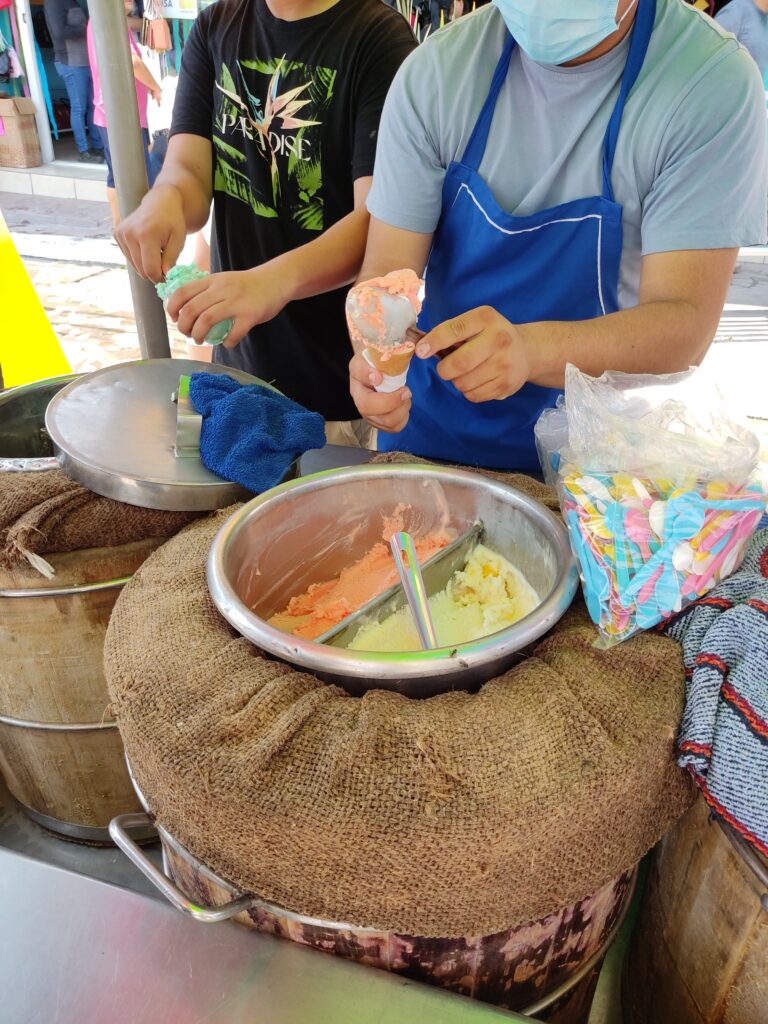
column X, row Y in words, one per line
column 176, row 278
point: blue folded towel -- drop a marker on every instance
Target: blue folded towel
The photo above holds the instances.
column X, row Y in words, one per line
column 251, row 434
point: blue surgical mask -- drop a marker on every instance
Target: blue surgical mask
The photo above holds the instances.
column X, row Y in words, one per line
column 556, row 31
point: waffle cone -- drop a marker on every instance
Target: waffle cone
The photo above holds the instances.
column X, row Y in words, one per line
column 392, row 366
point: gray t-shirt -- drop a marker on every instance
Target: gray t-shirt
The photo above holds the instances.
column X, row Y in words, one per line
column 690, row 169
column 750, row 26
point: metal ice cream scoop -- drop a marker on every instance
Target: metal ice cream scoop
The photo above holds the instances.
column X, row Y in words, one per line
column 404, row 553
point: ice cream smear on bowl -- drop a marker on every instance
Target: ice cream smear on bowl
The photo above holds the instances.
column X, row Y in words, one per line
column 487, row 595
column 380, row 312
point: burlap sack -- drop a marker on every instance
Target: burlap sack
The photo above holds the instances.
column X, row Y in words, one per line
column 459, row 815
column 47, row 512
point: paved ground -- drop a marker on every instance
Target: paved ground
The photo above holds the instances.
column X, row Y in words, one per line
column 78, row 273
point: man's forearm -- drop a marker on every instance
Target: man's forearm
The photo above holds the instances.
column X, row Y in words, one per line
column 330, row 261
column 654, row 337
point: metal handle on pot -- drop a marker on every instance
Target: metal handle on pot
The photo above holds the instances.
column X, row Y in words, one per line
column 40, row 465
column 174, row 895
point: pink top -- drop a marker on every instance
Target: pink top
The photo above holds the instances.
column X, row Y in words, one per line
column 142, row 92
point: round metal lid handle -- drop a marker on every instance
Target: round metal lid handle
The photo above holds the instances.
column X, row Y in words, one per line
column 208, row 915
column 38, row 465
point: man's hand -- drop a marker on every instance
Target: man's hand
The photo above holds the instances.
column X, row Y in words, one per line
column 248, row 297
column 387, row 412
column 153, row 236
column 481, row 353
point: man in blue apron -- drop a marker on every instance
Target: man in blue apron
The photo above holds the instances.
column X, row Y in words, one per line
column 577, row 176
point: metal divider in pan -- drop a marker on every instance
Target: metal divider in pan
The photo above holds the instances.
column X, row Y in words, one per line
column 436, row 572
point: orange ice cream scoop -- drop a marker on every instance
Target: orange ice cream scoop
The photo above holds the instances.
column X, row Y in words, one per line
column 325, row 604
column 380, row 312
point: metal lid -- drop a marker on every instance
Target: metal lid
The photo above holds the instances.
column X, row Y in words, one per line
column 114, row 431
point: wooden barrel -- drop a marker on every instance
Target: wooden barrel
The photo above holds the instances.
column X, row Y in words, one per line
column 699, row 952
column 60, row 751
column 546, row 969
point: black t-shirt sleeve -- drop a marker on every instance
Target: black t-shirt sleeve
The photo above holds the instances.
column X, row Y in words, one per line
column 193, row 105
column 389, row 45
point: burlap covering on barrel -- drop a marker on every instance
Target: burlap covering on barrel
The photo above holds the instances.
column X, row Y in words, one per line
column 47, row 512
column 458, row 815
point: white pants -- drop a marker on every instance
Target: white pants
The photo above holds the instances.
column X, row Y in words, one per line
column 351, row 434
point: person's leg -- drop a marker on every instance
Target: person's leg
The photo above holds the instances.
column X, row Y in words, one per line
column 158, row 148
column 351, row 434
column 93, row 132
column 69, row 78
column 434, row 14
column 111, row 193
column 72, row 84
column 153, row 160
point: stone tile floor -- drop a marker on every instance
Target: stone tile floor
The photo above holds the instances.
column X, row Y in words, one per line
column 90, row 309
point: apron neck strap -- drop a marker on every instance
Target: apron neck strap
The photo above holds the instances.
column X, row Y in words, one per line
column 638, row 47
column 473, row 154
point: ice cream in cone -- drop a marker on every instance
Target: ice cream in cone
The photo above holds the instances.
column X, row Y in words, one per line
column 380, row 313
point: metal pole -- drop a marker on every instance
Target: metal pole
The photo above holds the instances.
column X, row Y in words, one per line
column 27, row 37
column 113, row 55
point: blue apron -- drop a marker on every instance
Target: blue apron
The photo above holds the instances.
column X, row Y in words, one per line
column 557, row 264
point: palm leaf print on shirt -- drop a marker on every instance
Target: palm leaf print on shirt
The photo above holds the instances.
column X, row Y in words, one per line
column 274, row 110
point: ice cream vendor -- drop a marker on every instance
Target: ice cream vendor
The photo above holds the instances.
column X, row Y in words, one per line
column 576, row 178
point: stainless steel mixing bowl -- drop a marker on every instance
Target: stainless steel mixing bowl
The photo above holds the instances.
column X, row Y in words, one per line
column 308, row 530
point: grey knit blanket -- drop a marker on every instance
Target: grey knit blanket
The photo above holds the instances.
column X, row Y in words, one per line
column 723, row 740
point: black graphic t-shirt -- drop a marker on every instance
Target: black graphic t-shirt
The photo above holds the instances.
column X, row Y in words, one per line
column 293, row 111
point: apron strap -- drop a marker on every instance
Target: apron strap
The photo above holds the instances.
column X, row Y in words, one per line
column 473, row 154
column 638, row 47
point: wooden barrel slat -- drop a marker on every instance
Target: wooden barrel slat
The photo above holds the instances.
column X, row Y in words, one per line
column 73, row 777
column 51, row 671
column 51, row 648
column 699, row 953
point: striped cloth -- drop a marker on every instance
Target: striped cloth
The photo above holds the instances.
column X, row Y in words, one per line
column 723, row 740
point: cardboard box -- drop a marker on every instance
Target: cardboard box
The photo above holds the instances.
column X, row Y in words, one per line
column 19, row 144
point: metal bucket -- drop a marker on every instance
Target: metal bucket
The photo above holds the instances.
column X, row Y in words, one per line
column 24, row 442
column 61, row 755
column 545, row 969
column 308, row 530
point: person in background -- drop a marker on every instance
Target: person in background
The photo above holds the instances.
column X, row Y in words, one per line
column 276, row 118
column 145, row 86
column 748, row 20
column 66, row 24
column 440, row 13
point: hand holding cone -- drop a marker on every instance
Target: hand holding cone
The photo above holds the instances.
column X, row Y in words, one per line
column 380, row 314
